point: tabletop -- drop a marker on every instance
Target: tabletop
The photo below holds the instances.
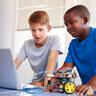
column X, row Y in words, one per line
column 7, row 92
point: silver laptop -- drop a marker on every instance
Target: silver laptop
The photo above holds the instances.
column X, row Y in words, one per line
column 8, row 77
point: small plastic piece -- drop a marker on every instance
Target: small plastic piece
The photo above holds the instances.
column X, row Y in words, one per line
column 70, row 87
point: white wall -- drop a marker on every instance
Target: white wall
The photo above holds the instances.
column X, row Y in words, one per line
column 92, row 9
column 7, row 23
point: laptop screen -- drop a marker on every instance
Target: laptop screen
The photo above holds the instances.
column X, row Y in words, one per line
column 8, row 78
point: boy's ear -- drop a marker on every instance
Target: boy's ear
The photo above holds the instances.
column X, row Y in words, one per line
column 49, row 28
column 85, row 19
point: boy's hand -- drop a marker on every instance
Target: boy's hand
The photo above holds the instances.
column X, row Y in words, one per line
column 46, row 81
column 38, row 83
column 46, row 84
column 84, row 89
column 66, row 66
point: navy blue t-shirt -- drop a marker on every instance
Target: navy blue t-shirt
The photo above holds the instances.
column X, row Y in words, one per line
column 83, row 55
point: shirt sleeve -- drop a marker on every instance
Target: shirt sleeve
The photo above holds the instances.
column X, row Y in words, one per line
column 69, row 56
column 56, row 45
column 22, row 54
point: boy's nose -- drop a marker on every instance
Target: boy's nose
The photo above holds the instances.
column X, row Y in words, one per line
column 69, row 26
column 37, row 33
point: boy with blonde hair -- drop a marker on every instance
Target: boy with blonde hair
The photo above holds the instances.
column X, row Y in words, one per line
column 42, row 51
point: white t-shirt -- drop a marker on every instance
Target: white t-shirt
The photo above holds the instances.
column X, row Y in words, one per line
column 38, row 57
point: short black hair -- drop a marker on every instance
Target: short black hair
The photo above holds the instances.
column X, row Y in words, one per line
column 81, row 10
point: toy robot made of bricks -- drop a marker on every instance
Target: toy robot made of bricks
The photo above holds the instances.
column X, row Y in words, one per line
column 62, row 81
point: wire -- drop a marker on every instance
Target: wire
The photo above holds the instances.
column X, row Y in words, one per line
column 33, row 89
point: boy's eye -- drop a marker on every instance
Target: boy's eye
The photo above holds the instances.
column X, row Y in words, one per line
column 68, row 23
column 33, row 30
column 72, row 22
column 40, row 29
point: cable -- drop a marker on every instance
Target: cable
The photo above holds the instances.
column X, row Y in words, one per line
column 33, row 89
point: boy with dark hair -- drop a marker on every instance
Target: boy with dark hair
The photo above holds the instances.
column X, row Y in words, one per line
column 42, row 51
column 82, row 49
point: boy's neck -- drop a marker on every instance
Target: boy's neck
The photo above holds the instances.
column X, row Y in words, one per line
column 41, row 44
column 86, row 31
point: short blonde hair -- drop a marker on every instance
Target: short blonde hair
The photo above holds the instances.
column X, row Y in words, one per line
column 39, row 17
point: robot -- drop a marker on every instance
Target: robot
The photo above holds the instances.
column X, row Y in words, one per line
column 62, row 81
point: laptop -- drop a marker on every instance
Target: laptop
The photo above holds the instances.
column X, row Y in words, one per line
column 8, row 76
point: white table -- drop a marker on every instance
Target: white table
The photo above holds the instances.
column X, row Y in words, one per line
column 7, row 92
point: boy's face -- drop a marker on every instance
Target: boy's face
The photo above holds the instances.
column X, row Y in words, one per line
column 39, row 33
column 75, row 24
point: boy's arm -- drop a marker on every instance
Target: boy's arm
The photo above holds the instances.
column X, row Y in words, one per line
column 18, row 62
column 21, row 56
column 51, row 64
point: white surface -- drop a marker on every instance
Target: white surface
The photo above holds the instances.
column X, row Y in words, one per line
column 6, row 92
column 7, row 23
